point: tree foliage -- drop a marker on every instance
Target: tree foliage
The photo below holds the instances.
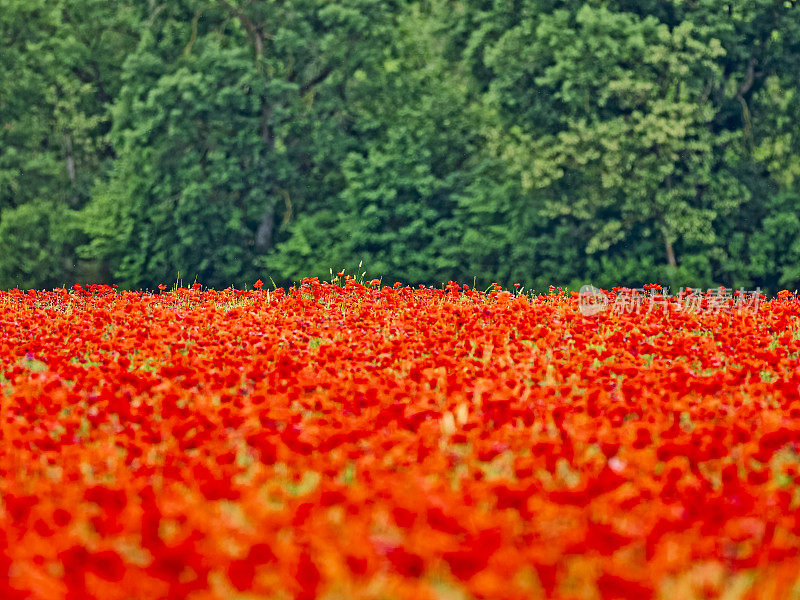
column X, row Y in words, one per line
column 524, row 141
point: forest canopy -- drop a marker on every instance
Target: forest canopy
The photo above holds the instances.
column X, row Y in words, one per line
column 517, row 141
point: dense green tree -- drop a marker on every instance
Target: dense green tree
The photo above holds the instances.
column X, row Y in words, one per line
column 59, row 71
column 37, row 243
column 519, row 141
column 396, row 210
column 638, row 121
column 232, row 118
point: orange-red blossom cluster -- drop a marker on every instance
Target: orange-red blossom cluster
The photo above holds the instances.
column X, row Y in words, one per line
column 357, row 441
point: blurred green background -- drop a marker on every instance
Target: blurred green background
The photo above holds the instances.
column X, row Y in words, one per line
column 532, row 141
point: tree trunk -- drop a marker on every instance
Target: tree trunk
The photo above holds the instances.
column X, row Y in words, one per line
column 265, row 227
column 670, row 253
column 70, row 160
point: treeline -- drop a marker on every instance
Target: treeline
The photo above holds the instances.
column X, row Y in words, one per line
column 530, row 141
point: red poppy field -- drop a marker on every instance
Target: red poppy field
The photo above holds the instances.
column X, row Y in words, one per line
column 372, row 442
